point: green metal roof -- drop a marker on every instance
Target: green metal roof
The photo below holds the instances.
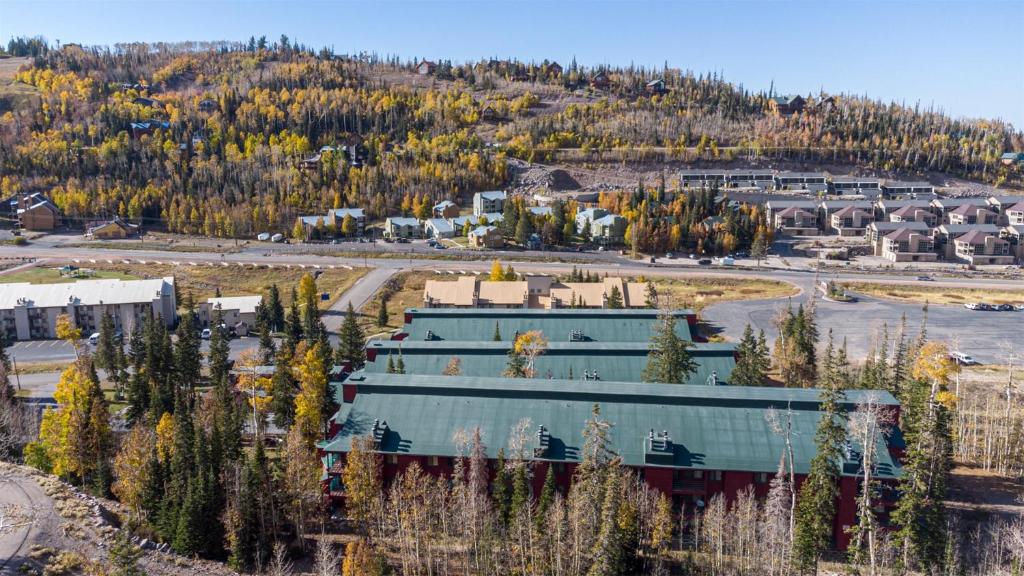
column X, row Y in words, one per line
column 712, row 428
column 616, row 361
column 605, row 325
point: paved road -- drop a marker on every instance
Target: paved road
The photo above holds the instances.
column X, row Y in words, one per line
column 979, row 332
column 861, row 323
column 358, row 295
column 34, row 351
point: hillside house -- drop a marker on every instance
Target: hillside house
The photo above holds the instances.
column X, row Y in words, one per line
column 702, row 178
column 445, row 209
column 426, row 67
column 1015, row 214
column 912, row 213
column 237, row 312
column 761, row 179
column 486, row 237
column 401, row 227
column 854, row 186
column 795, row 221
column 439, row 228
column 543, row 292
column 851, row 220
column 812, row 181
column 656, row 86
column 785, row 105
column 977, row 247
column 1014, row 234
column 877, row 231
column 600, row 81
column 968, row 214
column 945, row 234
column 608, row 229
column 905, row 245
column 115, row 229
column 36, row 212
column 909, row 190
column 492, row 201
column 1011, row 158
column 337, row 216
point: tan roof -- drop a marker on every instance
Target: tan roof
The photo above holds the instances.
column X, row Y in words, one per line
column 458, row 293
column 636, row 294
column 502, row 293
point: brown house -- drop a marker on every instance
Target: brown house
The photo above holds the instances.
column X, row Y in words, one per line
column 600, row 81
column 425, row 67
column 785, row 105
column 554, row 69
column 114, row 229
column 36, row 212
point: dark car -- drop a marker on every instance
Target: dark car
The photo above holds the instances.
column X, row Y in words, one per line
column 1005, row 308
column 986, row 307
column 704, row 261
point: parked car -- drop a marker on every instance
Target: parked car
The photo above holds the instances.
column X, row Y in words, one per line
column 963, row 359
column 925, row 278
column 670, row 255
column 440, row 246
column 986, row 307
column 264, row 237
column 205, row 334
column 277, row 238
column 1019, row 307
column 1005, row 308
column 704, row 261
column 402, row 240
column 94, row 338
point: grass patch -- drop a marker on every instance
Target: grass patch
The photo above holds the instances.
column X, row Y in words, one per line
column 46, row 275
column 406, row 291
column 204, row 281
column 699, row 292
column 154, row 245
column 920, row 293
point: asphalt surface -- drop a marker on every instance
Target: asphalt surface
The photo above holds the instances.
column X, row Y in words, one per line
column 979, row 333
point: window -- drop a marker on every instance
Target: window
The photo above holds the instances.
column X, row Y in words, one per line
column 431, row 460
column 698, row 474
column 391, row 459
column 761, row 477
column 716, row 475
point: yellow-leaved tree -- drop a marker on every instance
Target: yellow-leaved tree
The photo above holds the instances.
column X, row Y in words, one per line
column 497, row 273
column 131, row 467
column 255, row 386
column 530, row 345
column 312, row 396
column 75, row 437
column 307, row 290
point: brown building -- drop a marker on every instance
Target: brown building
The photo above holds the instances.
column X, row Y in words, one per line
column 425, row 67
column 600, row 81
column 36, row 212
column 907, row 245
column 784, row 105
column 114, row 229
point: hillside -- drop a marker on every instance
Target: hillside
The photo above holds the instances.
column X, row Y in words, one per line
column 231, row 140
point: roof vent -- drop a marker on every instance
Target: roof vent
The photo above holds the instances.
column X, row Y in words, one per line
column 575, row 336
column 429, row 335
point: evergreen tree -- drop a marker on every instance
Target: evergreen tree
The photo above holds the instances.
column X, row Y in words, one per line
column 524, row 228
column 400, row 364
column 816, row 505
column 546, row 500
column 609, row 549
column 515, row 366
column 124, row 556
column 105, row 354
column 382, row 313
column 651, row 297
column 283, row 389
column 669, row 361
column 187, row 358
column 218, row 355
column 497, row 332
column 352, row 341
column 501, row 490
column 615, row 298
column 293, row 332
column 750, row 369
column 510, row 219
column 275, row 310
column 390, row 368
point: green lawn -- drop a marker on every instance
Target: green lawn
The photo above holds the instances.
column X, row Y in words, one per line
column 45, row 275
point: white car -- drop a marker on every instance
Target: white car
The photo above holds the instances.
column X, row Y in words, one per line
column 963, row 359
column 972, row 306
column 205, row 334
column 94, row 338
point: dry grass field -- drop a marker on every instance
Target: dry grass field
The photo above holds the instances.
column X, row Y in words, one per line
column 921, row 293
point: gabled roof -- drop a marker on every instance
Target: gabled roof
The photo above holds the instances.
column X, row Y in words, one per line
column 540, row 210
column 793, row 211
column 883, row 226
column 443, row 204
column 910, row 210
column 402, row 221
column 440, row 224
column 244, row 304
column 493, row 195
column 954, row 229
column 967, row 209
column 848, row 211
column 608, row 220
column 1018, row 207
column 974, row 237
column 902, row 234
column 482, row 230
column 340, row 213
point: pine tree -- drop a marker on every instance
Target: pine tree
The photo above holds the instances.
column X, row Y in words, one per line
column 283, row 389
column 609, row 549
column 187, row 359
column 400, row 364
column 546, row 500
column 615, row 298
column 293, row 330
column 501, row 490
column 497, row 332
column 816, row 506
column 124, row 556
column 218, row 355
column 105, row 352
column 390, row 368
column 382, row 313
column 669, row 361
column 748, row 370
column 275, row 310
column 352, row 341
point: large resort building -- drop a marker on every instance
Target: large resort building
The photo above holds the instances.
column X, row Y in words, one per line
column 689, row 442
column 30, row 311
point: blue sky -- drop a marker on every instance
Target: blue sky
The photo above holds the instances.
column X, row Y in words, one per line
column 963, row 57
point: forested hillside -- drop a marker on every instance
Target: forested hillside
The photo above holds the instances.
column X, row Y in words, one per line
column 221, row 130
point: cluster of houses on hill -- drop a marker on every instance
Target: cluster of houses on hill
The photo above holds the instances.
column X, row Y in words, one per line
column 811, row 183
column 972, row 231
column 535, row 292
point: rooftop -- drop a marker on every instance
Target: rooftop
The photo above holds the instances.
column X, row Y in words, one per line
column 492, row 195
column 244, row 304
column 84, row 292
column 616, row 361
column 594, row 324
column 711, row 427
